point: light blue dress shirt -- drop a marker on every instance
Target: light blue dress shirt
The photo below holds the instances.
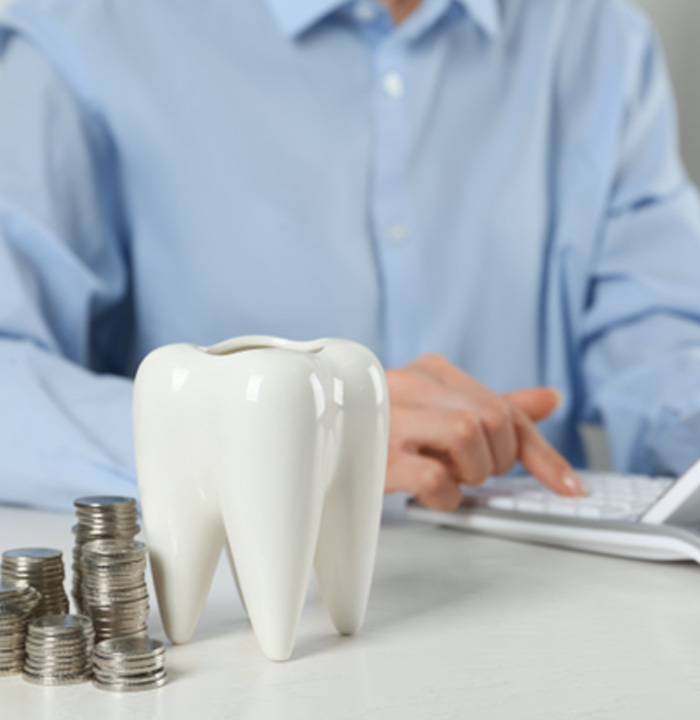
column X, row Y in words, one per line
column 495, row 181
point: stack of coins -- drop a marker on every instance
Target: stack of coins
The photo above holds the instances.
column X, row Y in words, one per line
column 59, row 650
column 17, row 604
column 100, row 517
column 114, row 588
column 127, row 664
column 42, row 568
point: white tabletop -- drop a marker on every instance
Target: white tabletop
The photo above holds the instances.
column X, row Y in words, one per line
column 459, row 626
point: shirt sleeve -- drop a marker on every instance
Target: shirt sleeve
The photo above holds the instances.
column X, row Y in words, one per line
column 65, row 411
column 641, row 328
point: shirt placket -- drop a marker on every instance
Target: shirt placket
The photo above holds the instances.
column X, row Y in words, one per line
column 392, row 221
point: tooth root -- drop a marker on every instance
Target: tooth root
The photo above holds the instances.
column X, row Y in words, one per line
column 272, row 495
column 183, row 525
column 183, row 563
column 349, row 530
column 234, row 572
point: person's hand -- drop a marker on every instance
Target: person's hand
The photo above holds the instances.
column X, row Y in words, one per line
column 446, row 428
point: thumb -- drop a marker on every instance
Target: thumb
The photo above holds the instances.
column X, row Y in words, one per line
column 536, row 403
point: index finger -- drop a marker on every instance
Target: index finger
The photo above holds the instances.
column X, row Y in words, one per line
column 543, row 461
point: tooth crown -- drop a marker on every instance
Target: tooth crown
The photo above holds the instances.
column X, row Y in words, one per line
column 279, row 448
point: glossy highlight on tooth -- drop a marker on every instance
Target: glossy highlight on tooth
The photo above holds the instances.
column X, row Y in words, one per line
column 277, row 448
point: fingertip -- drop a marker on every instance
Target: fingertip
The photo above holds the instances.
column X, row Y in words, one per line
column 558, row 396
column 573, row 483
column 547, row 465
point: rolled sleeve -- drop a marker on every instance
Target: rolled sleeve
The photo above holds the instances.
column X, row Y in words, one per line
column 641, row 330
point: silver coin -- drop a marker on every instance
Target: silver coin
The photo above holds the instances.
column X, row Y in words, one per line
column 32, row 554
column 101, row 501
column 118, row 598
column 35, row 568
column 41, row 570
column 59, row 650
column 11, row 655
column 147, row 680
column 10, row 670
column 114, row 548
column 134, row 607
column 55, row 680
column 109, row 567
column 145, row 668
column 60, row 624
column 131, row 666
column 140, row 679
column 125, row 687
column 113, row 633
column 42, row 666
column 11, row 590
column 98, row 582
column 10, row 618
column 126, row 674
column 23, row 600
column 55, row 577
column 91, row 523
column 125, row 619
column 114, row 615
column 79, row 657
column 130, row 647
column 57, row 669
column 20, row 575
column 96, row 595
column 109, row 631
column 106, row 567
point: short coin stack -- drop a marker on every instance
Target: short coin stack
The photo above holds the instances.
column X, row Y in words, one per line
column 59, row 650
column 17, row 604
column 128, row 664
column 114, row 588
column 42, row 568
column 101, row 517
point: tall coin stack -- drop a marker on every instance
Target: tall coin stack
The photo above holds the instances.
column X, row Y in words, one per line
column 59, row 650
column 100, row 518
column 114, row 588
column 17, row 604
column 128, row 664
column 42, row 568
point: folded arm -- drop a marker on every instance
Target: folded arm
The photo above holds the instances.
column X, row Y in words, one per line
column 65, row 413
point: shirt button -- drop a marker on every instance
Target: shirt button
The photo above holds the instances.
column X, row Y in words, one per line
column 393, row 85
column 397, row 233
column 364, row 11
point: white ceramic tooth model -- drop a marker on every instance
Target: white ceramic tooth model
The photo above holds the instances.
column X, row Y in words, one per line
column 279, row 447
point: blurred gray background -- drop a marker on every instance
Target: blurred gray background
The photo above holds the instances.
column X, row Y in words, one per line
column 678, row 24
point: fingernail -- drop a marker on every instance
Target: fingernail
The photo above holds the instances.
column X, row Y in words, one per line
column 574, row 484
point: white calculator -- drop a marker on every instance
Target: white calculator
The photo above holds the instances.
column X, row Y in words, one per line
column 628, row 515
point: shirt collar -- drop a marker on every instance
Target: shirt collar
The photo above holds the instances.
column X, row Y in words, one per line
column 296, row 16
column 486, row 13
